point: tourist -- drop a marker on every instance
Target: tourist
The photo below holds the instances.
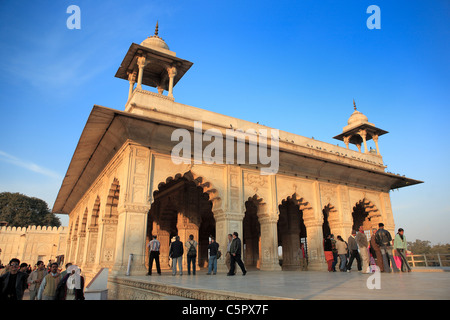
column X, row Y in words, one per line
column 23, row 267
column 213, row 248
column 376, row 252
column 302, row 257
column 47, row 289
column 353, row 251
column 363, row 245
column 13, row 283
column 176, row 253
column 153, row 255
column 35, row 279
column 400, row 247
column 383, row 239
column 191, row 247
column 63, row 274
column 71, row 286
column 228, row 254
column 342, row 250
column 235, row 251
column 327, row 247
column 334, row 250
column 29, row 270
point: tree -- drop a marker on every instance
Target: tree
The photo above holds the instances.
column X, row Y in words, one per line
column 425, row 247
column 420, row 246
column 19, row 210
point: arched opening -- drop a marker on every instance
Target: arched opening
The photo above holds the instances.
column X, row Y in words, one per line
column 92, row 233
column 112, row 200
column 181, row 207
column 365, row 214
column 291, row 233
column 252, row 234
column 110, row 220
column 326, row 224
column 95, row 213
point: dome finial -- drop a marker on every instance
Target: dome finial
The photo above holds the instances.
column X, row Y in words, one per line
column 156, row 28
column 354, row 104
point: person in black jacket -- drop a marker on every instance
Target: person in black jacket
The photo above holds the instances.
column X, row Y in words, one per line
column 176, row 253
column 213, row 248
column 353, row 251
column 13, row 283
column 235, row 251
column 383, row 238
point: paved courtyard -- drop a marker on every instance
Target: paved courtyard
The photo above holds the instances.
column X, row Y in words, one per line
column 314, row 285
column 422, row 284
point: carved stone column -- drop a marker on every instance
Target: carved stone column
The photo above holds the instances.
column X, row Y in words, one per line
column 106, row 243
column 91, row 239
column 347, row 141
column 141, row 62
column 73, row 250
column 132, row 80
column 363, row 134
column 375, row 139
column 226, row 223
column 316, row 255
column 131, row 239
column 269, row 243
column 81, row 245
column 172, row 71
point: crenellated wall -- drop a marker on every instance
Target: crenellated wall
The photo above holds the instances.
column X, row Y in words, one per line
column 32, row 243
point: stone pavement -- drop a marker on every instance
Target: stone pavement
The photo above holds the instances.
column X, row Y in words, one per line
column 421, row 284
column 315, row 285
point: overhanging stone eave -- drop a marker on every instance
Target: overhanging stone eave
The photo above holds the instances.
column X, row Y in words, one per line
column 323, row 169
column 182, row 65
column 354, row 131
column 92, row 136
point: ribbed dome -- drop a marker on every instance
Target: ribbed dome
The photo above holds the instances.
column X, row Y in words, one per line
column 357, row 117
column 155, row 42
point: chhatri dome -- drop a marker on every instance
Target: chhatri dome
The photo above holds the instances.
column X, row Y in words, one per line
column 155, row 42
column 356, row 119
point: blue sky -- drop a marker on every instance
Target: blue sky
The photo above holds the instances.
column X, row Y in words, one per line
column 291, row 65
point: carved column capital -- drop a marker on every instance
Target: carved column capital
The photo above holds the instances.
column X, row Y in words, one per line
column 172, row 71
column 363, row 134
column 141, row 61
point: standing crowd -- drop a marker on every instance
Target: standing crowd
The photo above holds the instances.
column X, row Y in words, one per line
column 176, row 251
column 51, row 284
column 43, row 283
column 380, row 251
